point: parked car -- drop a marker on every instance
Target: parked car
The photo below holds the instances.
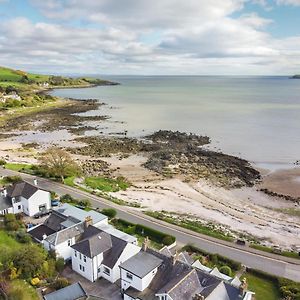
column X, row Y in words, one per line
column 42, row 213
column 241, row 242
column 55, row 202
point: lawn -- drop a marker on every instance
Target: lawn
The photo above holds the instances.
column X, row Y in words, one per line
column 8, row 241
column 21, row 290
column 107, row 184
column 70, row 181
column 265, row 289
column 18, row 167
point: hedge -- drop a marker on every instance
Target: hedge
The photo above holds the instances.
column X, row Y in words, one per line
column 215, row 257
column 155, row 235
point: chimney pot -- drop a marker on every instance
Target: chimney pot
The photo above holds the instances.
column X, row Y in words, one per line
column 145, row 244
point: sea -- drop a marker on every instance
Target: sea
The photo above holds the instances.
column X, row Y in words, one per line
column 255, row 118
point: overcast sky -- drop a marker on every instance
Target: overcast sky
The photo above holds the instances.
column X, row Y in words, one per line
column 245, row 37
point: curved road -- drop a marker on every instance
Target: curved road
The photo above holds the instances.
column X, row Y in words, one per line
column 267, row 262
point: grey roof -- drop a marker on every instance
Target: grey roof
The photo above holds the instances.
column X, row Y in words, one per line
column 65, row 234
column 181, row 281
column 71, row 292
column 141, row 264
column 94, row 245
column 39, row 231
column 94, row 241
column 5, row 202
column 54, row 220
column 185, row 258
column 117, row 233
column 80, row 214
column 22, row 188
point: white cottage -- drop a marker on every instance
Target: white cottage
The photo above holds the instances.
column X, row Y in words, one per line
column 98, row 254
column 24, row 197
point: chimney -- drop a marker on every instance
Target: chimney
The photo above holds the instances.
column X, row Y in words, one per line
column 198, row 297
column 88, row 221
column 145, row 244
column 44, row 236
column 243, row 287
column 175, row 257
column 35, row 182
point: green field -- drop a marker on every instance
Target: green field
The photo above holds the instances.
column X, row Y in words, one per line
column 11, row 75
column 8, row 241
column 107, row 184
column 18, row 167
column 264, row 288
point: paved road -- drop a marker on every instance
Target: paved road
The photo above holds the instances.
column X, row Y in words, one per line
column 274, row 264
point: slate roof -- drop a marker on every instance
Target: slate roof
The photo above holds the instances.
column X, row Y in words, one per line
column 54, row 220
column 79, row 214
column 181, row 281
column 65, row 234
column 5, row 202
column 71, row 292
column 94, row 241
column 22, row 188
column 141, row 264
column 39, row 231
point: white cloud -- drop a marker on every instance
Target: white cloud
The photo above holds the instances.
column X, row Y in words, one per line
column 191, row 37
column 288, row 2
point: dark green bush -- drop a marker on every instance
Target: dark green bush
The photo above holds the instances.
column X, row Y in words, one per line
column 154, row 235
column 110, row 212
column 226, row 270
column 168, row 240
column 60, row 264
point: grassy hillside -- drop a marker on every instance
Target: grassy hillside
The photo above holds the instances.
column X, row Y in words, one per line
column 10, row 75
column 23, row 81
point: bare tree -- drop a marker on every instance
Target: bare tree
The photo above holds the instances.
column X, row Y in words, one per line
column 59, row 163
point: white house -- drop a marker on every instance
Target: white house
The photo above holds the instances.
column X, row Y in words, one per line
column 98, row 254
column 24, row 197
column 64, row 227
column 154, row 275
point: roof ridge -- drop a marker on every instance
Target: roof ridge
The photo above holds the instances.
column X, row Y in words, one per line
column 181, row 280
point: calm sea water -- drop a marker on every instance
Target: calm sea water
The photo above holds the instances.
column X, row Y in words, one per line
column 257, row 118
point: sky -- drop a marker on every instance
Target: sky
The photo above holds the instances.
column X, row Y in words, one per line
column 157, row 37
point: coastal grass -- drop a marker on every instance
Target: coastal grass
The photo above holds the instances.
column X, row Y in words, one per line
column 275, row 251
column 8, row 241
column 264, row 288
column 107, row 184
column 191, row 225
column 20, row 289
column 70, row 181
column 18, row 167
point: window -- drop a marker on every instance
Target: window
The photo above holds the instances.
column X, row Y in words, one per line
column 129, row 276
column 69, row 242
column 99, row 270
column 84, row 258
column 81, row 268
column 19, row 206
column 79, row 255
column 106, row 270
column 75, row 253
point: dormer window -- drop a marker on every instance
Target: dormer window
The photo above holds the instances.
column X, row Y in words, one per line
column 84, row 258
column 75, row 253
column 129, row 276
column 69, row 243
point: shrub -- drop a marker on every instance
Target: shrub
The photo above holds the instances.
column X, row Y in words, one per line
column 168, row 240
column 60, row 283
column 2, row 162
column 23, row 237
column 60, row 264
column 85, row 202
column 110, row 212
column 226, row 270
column 155, row 235
column 66, row 198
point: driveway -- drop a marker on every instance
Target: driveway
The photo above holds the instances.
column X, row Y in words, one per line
column 100, row 288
